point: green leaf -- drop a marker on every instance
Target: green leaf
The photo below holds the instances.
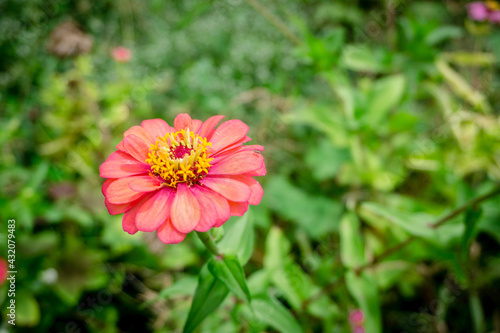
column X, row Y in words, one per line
column 385, row 94
column 351, row 243
column 27, row 310
column 325, row 159
column 210, row 293
column 415, row 223
column 317, row 215
column 184, row 286
column 228, row 270
column 364, row 290
column 274, row 314
column 239, row 238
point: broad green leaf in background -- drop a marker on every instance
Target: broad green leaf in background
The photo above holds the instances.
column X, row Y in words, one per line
column 363, row 288
column 415, row 223
column 351, row 241
column 325, row 159
column 183, row 286
column 228, row 270
column 209, row 294
column 239, row 237
column 386, row 93
column 317, row 215
column 27, row 310
column 270, row 311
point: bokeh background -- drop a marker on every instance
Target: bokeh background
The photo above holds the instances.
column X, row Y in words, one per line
column 378, row 118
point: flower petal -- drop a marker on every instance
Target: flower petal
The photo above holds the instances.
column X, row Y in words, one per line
column 154, row 211
column 260, row 172
column 238, row 208
column 228, row 133
column 148, row 184
column 228, row 152
column 182, row 121
column 120, row 164
column 207, row 206
column 114, row 209
column 136, row 147
column 195, row 125
column 119, row 191
column 141, row 133
column 185, row 212
column 128, row 221
column 229, row 188
column 238, row 163
column 156, row 127
column 255, row 187
column 168, row 234
column 220, row 204
column 207, row 128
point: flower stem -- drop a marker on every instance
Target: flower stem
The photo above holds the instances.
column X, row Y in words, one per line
column 209, row 243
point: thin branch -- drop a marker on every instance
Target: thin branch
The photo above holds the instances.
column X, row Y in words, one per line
column 275, row 21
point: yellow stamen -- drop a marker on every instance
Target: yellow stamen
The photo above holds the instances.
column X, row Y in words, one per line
column 180, row 157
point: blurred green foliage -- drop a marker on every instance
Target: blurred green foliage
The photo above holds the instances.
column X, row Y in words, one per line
column 377, row 117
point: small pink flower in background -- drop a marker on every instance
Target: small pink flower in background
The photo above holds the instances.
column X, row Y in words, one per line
column 484, row 10
column 173, row 180
column 3, row 271
column 121, row 54
column 357, row 320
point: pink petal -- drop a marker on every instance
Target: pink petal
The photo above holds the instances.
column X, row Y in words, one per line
column 128, row 221
column 238, row 208
column 228, row 152
column 182, row 121
column 207, row 128
column 207, row 206
column 168, row 234
column 136, row 147
column 154, row 211
column 121, row 147
column 114, row 209
column 118, row 209
column 477, row 11
column 238, row 163
column 255, row 187
column 230, row 189
column 141, row 133
column 185, row 213
column 220, row 204
column 494, row 17
column 228, row 133
column 237, row 144
column 119, row 165
column 260, row 172
column 119, row 192
column 195, row 125
column 157, row 127
column 148, row 184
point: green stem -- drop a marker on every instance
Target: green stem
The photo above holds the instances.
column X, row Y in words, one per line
column 209, row 243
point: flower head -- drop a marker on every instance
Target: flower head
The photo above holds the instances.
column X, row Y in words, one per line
column 192, row 176
column 121, row 54
column 484, row 10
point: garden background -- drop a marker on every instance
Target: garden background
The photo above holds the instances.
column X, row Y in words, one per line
column 380, row 122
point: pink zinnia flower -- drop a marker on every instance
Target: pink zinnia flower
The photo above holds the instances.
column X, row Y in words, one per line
column 484, row 10
column 356, row 317
column 121, row 54
column 174, row 180
column 3, row 270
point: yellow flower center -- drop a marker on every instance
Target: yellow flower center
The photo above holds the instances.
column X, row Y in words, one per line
column 180, row 157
